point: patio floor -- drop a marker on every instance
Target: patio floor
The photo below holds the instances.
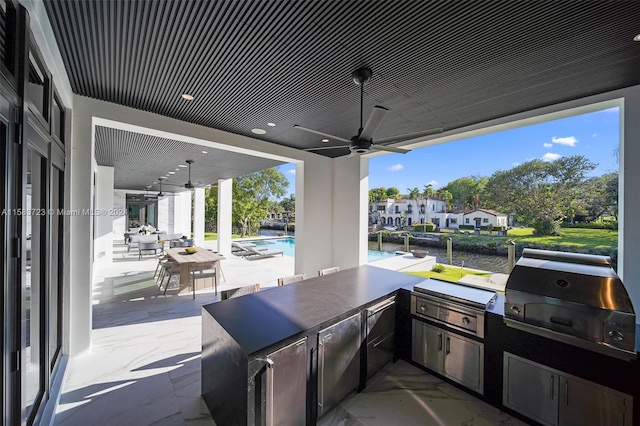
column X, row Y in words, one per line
column 144, row 364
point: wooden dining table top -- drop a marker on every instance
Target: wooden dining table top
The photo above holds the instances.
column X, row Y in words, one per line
column 179, row 255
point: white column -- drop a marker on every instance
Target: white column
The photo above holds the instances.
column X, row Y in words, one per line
column 314, row 215
column 80, row 176
column 182, row 213
column 198, row 216
column 350, row 211
column 629, row 197
column 225, row 200
column 103, row 240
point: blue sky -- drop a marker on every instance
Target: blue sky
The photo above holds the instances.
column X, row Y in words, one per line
column 594, row 135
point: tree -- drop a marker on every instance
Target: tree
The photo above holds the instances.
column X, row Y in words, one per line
column 413, row 193
column 378, row 194
column 444, row 195
column 599, row 197
column 382, row 193
column 211, row 209
column 393, row 192
column 539, row 193
column 466, row 191
column 428, row 191
column 252, row 194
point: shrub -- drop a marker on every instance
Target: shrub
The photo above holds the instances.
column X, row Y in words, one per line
column 424, row 227
column 606, row 224
column 547, row 227
column 438, row 268
column 469, row 227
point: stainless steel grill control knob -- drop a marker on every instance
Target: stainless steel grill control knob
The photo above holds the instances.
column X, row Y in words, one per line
column 423, row 308
column 466, row 320
column 515, row 310
column 616, row 336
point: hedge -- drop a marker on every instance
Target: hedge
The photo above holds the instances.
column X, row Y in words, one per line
column 424, row 227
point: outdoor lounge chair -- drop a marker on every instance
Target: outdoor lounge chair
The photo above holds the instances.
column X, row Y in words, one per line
column 243, row 249
column 256, row 253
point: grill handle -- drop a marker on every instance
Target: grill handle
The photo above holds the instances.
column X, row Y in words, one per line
column 561, row 321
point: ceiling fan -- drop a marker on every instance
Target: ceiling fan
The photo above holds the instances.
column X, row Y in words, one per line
column 362, row 143
column 188, row 184
column 160, row 193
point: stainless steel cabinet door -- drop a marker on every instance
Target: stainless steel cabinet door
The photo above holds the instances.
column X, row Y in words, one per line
column 584, row 403
column 381, row 324
column 338, row 361
column 428, row 345
column 464, row 361
column 287, row 385
column 531, row 390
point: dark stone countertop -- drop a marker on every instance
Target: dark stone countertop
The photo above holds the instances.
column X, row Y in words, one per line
column 260, row 320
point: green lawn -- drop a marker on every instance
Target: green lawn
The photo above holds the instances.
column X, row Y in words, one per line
column 576, row 237
column 599, row 241
column 209, row 236
column 451, row 274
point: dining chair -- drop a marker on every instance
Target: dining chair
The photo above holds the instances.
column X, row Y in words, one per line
column 290, row 279
column 202, row 271
column 169, row 269
column 240, row 291
column 142, row 246
column 326, row 271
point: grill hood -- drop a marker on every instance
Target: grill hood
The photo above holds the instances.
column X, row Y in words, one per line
column 574, row 298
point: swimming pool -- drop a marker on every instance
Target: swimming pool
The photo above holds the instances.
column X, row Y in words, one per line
column 288, row 247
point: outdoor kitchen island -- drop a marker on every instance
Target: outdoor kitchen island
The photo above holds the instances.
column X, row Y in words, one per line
column 267, row 357
column 245, row 375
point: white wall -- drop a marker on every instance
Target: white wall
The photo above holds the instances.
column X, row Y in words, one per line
column 104, row 214
column 629, row 197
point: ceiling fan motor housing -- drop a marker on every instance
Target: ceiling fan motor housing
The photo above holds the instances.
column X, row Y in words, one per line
column 360, row 146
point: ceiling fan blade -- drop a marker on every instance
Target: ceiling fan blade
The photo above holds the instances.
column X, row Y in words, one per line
column 326, row 135
column 389, row 149
column 376, row 117
column 326, row 147
column 408, row 136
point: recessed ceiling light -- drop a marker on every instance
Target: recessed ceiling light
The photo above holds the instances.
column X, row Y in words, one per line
column 204, row 152
column 182, row 165
column 172, row 173
column 259, row 131
column 637, row 38
column 177, row 170
column 187, row 96
column 271, row 124
column 325, row 140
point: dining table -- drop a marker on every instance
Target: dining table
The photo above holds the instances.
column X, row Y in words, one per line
column 201, row 257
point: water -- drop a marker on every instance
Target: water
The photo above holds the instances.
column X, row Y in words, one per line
column 484, row 262
column 288, row 247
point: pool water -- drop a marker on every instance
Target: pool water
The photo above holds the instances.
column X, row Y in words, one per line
column 288, row 247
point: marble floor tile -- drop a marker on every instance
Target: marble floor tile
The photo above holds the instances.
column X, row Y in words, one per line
column 144, row 364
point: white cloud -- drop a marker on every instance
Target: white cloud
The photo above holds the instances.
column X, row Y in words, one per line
column 395, row 168
column 550, row 156
column 291, row 172
column 569, row 140
column 515, row 164
column 595, row 135
column 433, row 183
column 547, row 145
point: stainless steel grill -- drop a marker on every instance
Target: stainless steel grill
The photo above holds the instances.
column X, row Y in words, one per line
column 573, row 298
column 457, row 306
